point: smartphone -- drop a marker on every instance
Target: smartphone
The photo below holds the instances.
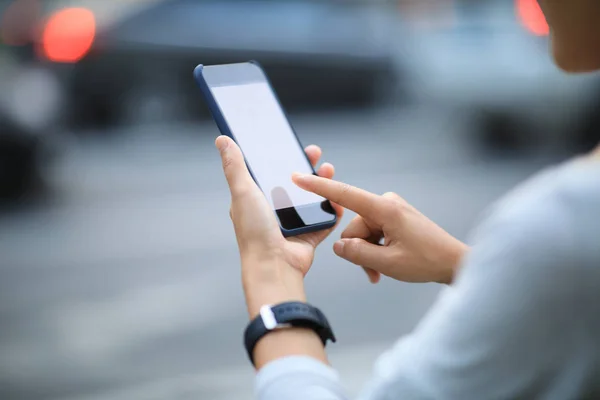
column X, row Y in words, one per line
column 246, row 108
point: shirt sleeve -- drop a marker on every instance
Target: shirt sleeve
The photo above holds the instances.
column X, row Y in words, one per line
column 298, row 378
column 499, row 332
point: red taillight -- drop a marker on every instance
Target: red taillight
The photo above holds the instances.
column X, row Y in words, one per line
column 68, row 35
column 532, row 17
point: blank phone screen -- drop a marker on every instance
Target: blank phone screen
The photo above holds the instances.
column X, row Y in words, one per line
column 265, row 136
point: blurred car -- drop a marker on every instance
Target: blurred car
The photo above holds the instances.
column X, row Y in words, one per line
column 137, row 66
column 491, row 60
column 20, row 154
column 30, row 101
column 28, row 104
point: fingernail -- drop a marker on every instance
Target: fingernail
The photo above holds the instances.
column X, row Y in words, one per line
column 221, row 143
column 338, row 247
column 298, row 177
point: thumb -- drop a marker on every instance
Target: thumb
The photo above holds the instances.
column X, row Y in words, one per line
column 236, row 172
column 360, row 252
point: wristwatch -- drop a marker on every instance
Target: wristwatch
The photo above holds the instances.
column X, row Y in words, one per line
column 286, row 315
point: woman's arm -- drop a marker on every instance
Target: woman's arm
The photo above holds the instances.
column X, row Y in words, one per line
column 513, row 323
column 508, row 327
column 273, row 267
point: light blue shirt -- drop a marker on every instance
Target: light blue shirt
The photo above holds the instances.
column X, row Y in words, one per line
column 522, row 320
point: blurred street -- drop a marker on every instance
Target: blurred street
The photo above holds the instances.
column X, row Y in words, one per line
column 125, row 283
column 119, row 270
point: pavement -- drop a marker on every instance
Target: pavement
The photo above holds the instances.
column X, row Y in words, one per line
column 125, row 284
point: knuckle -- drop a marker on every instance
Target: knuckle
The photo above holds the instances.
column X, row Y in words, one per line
column 390, row 195
column 395, row 258
column 345, row 188
column 352, row 247
column 399, row 210
column 348, row 232
column 227, row 162
column 394, row 205
column 387, row 202
column 394, row 199
column 356, row 221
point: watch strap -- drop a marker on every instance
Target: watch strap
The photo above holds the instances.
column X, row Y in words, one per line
column 285, row 315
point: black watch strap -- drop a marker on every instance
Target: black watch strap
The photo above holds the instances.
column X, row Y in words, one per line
column 292, row 314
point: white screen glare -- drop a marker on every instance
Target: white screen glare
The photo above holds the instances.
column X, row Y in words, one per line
column 266, row 138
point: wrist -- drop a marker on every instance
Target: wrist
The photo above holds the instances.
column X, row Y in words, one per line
column 270, row 281
column 288, row 342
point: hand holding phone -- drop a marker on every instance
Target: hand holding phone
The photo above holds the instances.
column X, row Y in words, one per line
column 273, row 267
column 247, row 110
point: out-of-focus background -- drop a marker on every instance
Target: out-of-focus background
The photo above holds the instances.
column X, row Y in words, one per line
column 119, row 276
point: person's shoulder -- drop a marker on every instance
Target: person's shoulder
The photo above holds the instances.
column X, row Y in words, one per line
column 565, row 191
column 541, row 241
column 578, row 185
column 547, row 219
column 533, row 207
column 578, row 191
